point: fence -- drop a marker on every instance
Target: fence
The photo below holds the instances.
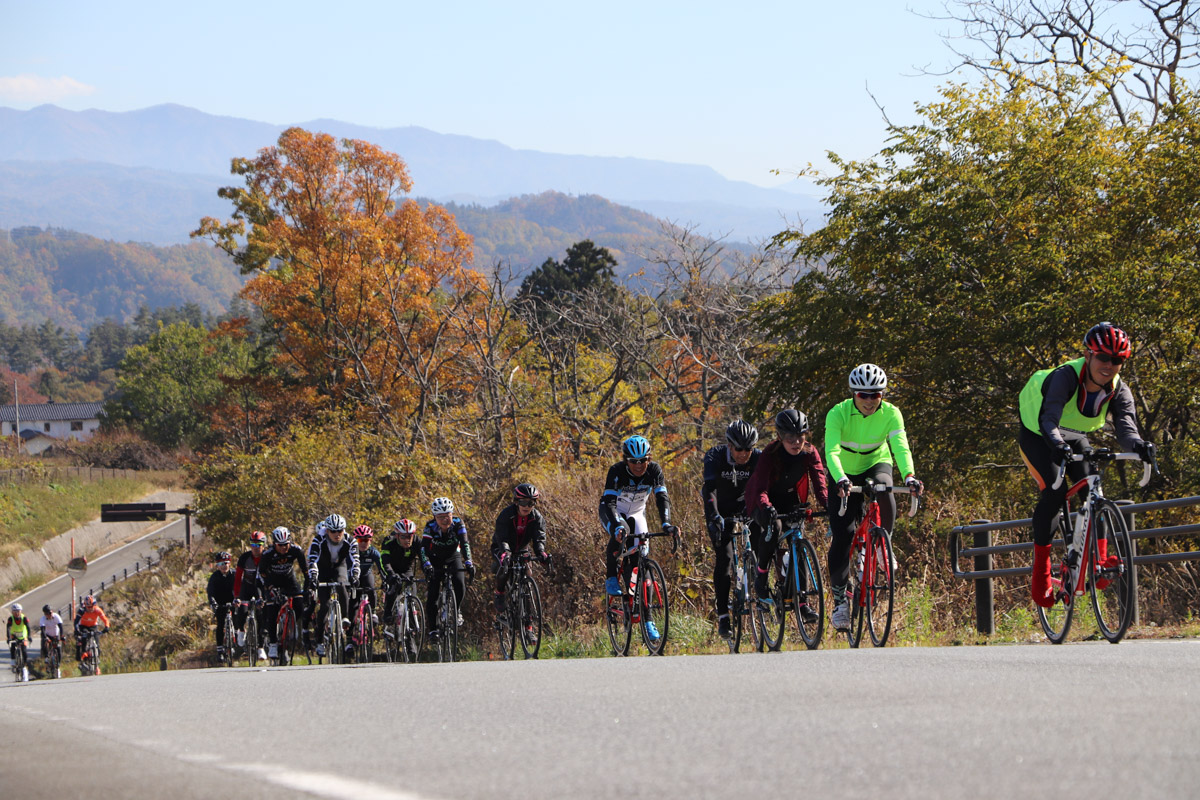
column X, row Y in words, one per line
column 107, row 583
column 54, row 474
column 982, row 551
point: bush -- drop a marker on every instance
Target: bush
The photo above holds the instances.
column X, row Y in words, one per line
column 118, row 450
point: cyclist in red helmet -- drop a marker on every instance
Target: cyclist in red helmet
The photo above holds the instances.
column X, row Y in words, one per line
column 519, row 526
column 245, row 587
column 1059, row 408
column 368, row 556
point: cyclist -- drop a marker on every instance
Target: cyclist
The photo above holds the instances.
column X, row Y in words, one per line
column 87, row 624
column 51, row 625
column 447, row 547
column 628, row 485
column 520, row 526
column 245, row 587
column 220, row 593
column 727, row 468
column 1059, row 407
column 16, row 631
column 862, row 436
column 331, row 558
column 368, row 557
column 277, row 569
column 788, row 471
column 397, row 557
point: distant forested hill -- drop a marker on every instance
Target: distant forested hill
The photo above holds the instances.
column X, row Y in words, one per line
column 77, row 280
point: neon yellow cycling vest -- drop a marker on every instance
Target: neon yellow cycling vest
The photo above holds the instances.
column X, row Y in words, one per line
column 1072, row 419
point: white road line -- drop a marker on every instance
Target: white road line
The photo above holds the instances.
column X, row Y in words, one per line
column 324, row 784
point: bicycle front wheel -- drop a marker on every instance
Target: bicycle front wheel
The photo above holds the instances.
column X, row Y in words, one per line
column 737, row 609
column 655, row 609
column 252, row 637
column 1111, row 583
column 335, row 633
column 228, row 640
column 808, row 594
column 1056, row 620
column 414, row 629
column 617, row 621
column 506, row 625
column 880, row 588
column 285, row 637
column 854, row 593
column 774, row 615
column 529, row 604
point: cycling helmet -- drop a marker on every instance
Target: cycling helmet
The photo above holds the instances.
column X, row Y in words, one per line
column 636, row 447
column 281, row 535
column 89, row 601
column 526, row 491
column 867, row 378
column 335, row 522
column 405, row 526
column 741, row 435
column 791, row 421
column 16, row 608
column 224, row 556
column 363, row 532
column 46, row 609
column 1108, row 338
column 258, row 537
column 443, row 505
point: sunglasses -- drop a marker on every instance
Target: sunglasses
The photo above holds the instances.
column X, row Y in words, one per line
column 1105, row 358
column 792, row 438
column 742, row 449
column 525, row 503
column 868, row 395
column 256, row 544
column 638, row 460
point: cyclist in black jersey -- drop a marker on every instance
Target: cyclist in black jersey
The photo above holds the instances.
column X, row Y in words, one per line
column 446, row 545
column 398, row 555
column 332, row 558
column 277, row 569
column 727, row 468
column 519, row 526
column 629, row 483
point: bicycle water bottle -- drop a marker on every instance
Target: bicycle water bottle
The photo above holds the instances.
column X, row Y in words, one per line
column 633, row 581
column 1074, row 548
column 787, row 557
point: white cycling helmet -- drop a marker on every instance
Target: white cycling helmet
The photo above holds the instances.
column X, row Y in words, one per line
column 443, row 505
column 16, row 608
column 335, row 522
column 867, row 378
column 281, row 535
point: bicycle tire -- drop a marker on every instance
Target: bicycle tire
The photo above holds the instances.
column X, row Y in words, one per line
column 94, row 653
column 252, row 636
column 655, row 606
column 880, row 590
column 753, row 609
column 285, row 637
column 448, row 623
column 812, row 596
column 617, row 620
column 335, row 639
column 1112, row 603
column 774, row 616
column 1056, row 620
column 20, row 671
column 228, row 641
column 362, row 633
column 414, row 629
column 854, row 595
column 504, row 622
column 529, row 603
column 737, row 607
column 53, row 659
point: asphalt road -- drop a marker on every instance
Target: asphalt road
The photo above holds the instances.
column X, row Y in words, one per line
column 1085, row 720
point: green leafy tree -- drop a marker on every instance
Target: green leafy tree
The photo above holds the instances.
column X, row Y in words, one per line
column 587, row 271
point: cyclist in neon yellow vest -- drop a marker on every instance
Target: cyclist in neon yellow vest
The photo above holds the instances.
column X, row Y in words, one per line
column 862, row 435
column 16, row 631
column 1059, row 408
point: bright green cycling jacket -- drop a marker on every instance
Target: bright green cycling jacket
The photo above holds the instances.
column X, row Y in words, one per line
column 854, row 443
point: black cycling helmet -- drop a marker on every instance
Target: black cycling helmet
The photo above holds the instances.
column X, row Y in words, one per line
column 741, row 435
column 791, row 421
column 526, row 491
column 46, row 609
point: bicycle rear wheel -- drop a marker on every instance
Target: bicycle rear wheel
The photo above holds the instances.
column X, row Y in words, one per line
column 854, row 594
column 285, row 637
column 880, row 588
column 811, row 598
column 252, row 637
column 1111, row 583
column 1056, row 620
column 529, row 603
column 655, row 607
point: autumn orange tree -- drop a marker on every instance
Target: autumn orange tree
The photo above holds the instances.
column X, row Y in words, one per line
column 356, row 282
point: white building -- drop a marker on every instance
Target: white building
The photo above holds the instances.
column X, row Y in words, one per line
column 42, row 424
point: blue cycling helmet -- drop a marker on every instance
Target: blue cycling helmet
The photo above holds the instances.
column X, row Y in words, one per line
column 636, row 447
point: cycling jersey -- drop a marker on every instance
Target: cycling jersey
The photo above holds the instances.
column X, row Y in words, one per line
column 220, row 587
column 515, row 533
column 784, row 481
column 625, row 495
column 396, row 559
column 247, row 572
column 275, row 568
column 854, row 443
column 17, row 627
column 330, row 560
column 1054, row 400
column 440, row 545
column 371, row 557
column 724, row 491
column 51, row 625
column 92, row 617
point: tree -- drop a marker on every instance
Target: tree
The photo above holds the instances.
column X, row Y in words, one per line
column 587, row 270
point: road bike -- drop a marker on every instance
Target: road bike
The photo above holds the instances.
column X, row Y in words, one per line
column 288, row 640
column 334, row 635
column 53, row 646
column 872, row 586
column 521, row 620
column 252, row 643
column 20, row 664
column 89, row 663
column 645, row 602
column 742, row 598
column 794, row 577
column 362, row 630
column 1093, row 555
column 445, row 618
column 404, row 631
column 225, row 651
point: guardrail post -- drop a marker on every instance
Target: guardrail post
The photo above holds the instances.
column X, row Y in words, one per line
column 985, row 611
column 1131, row 524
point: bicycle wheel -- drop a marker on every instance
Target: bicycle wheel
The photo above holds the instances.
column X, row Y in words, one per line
column 774, row 614
column 53, row 657
column 529, row 603
column 335, row 634
column 94, row 654
column 507, row 623
column 810, row 598
column 448, row 621
column 617, row 621
column 753, row 610
column 285, row 637
column 655, row 612
column 228, row 639
column 1056, row 620
column 880, row 588
column 362, row 634
column 1111, row 583
column 854, row 594
column 737, row 608
column 19, row 669
column 414, row 629
column 252, row 636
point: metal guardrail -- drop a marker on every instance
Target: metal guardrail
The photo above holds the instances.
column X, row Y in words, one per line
column 982, row 551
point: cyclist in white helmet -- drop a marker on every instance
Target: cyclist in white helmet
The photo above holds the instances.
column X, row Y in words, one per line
column 447, row 547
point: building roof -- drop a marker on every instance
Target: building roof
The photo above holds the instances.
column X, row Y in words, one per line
column 51, row 412
column 28, row 434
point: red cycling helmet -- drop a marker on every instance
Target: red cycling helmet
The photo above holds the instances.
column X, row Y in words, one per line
column 1108, row 338
column 363, row 532
column 258, row 537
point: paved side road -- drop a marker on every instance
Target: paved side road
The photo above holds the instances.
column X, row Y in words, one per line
column 1083, row 720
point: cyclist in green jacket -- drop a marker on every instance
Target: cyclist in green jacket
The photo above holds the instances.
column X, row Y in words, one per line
column 1059, row 408
column 862, row 435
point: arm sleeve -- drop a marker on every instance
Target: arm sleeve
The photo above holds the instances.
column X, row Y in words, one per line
column 833, row 443
column 898, row 442
column 314, row 553
column 466, row 541
column 537, row 542
column 1124, row 417
column 499, row 534
column 1057, row 391
column 757, row 496
column 816, row 474
column 708, row 492
column 664, row 504
column 608, row 502
column 237, row 578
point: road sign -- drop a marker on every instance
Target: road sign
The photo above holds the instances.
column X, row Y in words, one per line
column 133, row 512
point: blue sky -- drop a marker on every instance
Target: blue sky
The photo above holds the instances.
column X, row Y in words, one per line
column 741, row 88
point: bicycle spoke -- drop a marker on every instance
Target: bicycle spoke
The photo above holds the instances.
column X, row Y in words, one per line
column 808, row 595
column 1056, row 620
column 880, row 585
column 1111, row 580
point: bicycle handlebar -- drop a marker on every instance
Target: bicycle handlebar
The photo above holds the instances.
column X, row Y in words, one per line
column 878, row 488
column 1104, row 454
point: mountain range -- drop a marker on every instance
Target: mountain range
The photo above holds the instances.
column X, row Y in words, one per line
column 149, row 175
